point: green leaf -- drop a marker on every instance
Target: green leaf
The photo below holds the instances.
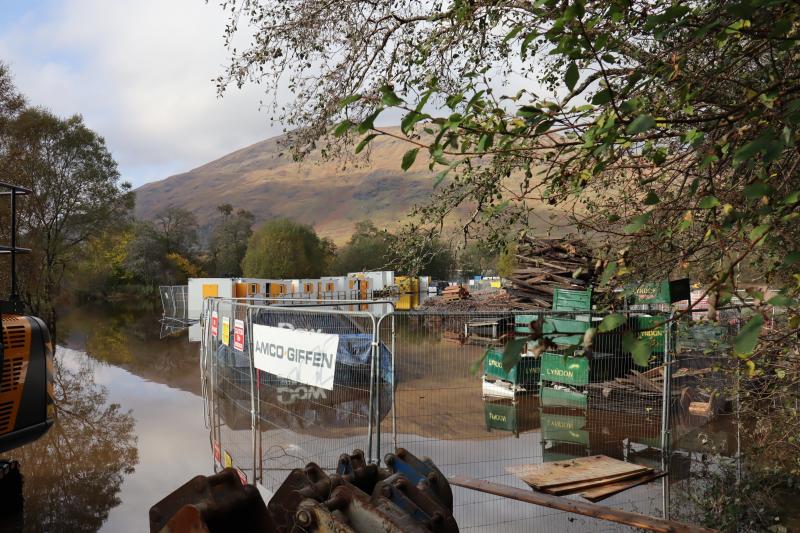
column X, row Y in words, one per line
column 571, row 77
column 368, row 123
column 475, row 367
column 342, row 128
column 410, row 119
column 601, row 97
column 756, row 190
column 409, row 158
column 639, row 349
column 611, row 322
column 344, row 102
column 608, row 273
column 780, row 300
column 365, row 141
column 485, row 142
column 708, row 202
column 389, row 98
column 641, row 124
column 746, row 340
column 636, row 223
column 791, row 258
column 513, row 33
column 752, row 149
column 651, row 198
column 759, row 232
column 512, row 353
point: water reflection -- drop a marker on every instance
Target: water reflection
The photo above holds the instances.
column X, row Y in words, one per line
column 73, row 475
column 129, row 337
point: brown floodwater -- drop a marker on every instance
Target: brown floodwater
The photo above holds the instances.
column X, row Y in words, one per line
column 132, row 427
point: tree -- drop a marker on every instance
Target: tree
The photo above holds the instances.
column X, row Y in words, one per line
column 228, row 242
column 671, row 122
column 77, row 194
column 164, row 250
column 666, row 130
column 477, row 258
column 283, row 249
column 368, row 249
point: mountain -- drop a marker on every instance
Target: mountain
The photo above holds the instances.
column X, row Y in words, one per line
column 324, row 194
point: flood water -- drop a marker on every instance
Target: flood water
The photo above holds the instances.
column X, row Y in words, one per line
column 131, row 429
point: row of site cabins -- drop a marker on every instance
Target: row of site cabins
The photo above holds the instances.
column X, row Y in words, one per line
column 353, row 286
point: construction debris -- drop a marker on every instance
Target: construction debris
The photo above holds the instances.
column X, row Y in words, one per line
column 642, row 393
column 479, row 300
column 455, row 292
column 596, row 477
column 547, row 264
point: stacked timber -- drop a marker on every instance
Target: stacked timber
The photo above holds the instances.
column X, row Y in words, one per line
column 595, row 478
column 642, row 393
column 455, row 292
column 548, row 264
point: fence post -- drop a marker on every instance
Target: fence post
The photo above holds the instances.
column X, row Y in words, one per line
column 666, row 411
column 376, row 354
column 666, row 402
column 249, row 349
column 394, row 387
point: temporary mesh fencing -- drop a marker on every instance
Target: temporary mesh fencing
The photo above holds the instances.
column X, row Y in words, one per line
column 434, row 383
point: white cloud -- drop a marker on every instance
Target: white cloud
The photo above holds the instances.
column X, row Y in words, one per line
column 140, row 73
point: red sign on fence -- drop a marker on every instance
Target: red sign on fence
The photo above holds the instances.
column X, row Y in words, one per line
column 238, row 335
column 214, row 323
column 217, row 453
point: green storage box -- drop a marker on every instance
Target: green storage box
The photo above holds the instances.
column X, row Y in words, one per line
column 665, row 292
column 557, row 368
column 580, row 371
column 572, row 300
column 550, row 397
column 564, row 428
column 525, row 373
column 566, row 331
column 655, row 337
column 522, row 323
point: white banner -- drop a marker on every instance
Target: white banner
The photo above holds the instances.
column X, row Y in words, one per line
column 302, row 356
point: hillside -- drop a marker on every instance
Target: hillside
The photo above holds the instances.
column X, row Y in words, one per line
column 320, row 193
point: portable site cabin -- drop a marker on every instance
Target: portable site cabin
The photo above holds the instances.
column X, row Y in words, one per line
column 201, row 288
column 330, row 286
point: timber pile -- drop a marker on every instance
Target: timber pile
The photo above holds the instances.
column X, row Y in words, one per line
column 547, row 264
column 455, row 292
column 642, row 393
column 595, row 478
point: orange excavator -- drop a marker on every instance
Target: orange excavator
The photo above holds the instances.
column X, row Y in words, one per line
column 26, row 369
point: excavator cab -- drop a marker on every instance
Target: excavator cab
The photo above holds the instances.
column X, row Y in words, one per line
column 26, row 355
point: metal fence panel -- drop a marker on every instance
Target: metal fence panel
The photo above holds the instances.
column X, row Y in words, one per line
column 434, row 383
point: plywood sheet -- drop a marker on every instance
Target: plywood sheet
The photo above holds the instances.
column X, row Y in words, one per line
column 599, row 493
column 572, row 488
column 544, row 475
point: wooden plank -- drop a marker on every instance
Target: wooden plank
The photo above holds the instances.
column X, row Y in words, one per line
column 643, row 383
column 581, row 485
column 600, row 493
column 564, row 472
column 593, row 510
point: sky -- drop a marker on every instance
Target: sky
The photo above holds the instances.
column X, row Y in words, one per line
column 140, row 73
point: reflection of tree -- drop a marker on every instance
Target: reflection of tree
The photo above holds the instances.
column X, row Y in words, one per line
column 73, row 474
column 129, row 337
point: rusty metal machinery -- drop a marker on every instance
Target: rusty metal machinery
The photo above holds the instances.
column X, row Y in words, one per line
column 409, row 495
